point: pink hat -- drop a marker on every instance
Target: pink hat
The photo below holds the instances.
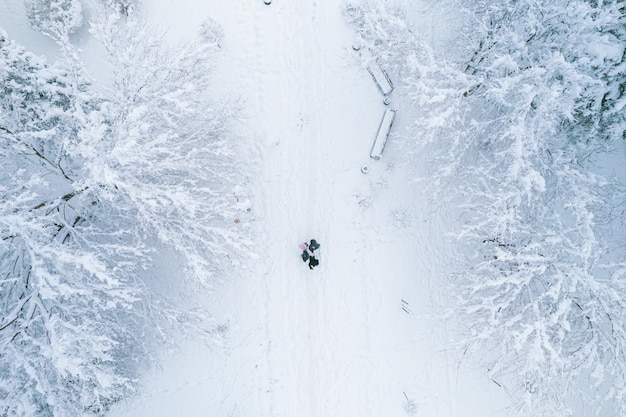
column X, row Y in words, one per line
column 304, row 246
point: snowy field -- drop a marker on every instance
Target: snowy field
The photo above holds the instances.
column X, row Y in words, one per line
column 367, row 332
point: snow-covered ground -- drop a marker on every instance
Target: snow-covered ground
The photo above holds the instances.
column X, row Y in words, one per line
column 361, row 335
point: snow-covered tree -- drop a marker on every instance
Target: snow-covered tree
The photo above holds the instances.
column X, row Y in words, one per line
column 95, row 183
column 122, row 7
column 513, row 123
column 56, row 18
column 58, row 294
column 166, row 147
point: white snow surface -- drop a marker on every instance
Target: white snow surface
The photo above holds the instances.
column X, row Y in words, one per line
column 335, row 341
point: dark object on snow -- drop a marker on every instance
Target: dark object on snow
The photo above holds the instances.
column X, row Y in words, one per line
column 305, row 256
column 313, row 246
column 313, row 262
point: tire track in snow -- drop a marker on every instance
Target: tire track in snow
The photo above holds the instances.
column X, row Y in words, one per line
column 296, row 97
column 323, row 351
column 251, row 39
column 282, row 100
column 307, row 67
column 310, row 127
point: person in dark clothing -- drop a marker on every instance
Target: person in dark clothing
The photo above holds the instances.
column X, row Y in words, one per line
column 313, row 246
column 313, row 262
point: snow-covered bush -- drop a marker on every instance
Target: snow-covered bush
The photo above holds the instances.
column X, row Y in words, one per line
column 55, row 18
column 95, row 184
column 123, row 7
column 211, row 33
column 513, row 124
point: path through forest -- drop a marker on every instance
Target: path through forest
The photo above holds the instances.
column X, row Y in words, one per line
column 359, row 336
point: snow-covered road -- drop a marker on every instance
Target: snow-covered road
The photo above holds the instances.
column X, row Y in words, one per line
column 314, row 114
column 357, row 336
